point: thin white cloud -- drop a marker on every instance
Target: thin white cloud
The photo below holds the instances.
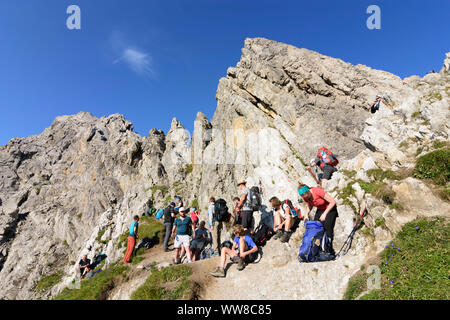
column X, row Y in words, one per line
column 137, row 60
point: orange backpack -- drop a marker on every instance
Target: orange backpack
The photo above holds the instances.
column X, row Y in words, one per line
column 327, row 157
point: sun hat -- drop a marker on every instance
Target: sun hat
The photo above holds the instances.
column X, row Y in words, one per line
column 241, row 182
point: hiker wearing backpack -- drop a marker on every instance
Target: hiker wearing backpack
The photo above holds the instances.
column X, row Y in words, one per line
column 326, row 211
column 246, row 205
column 200, row 240
column 182, row 238
column 376, row 104
column 284, row 216
column 169, row 218
column 215, row 225
column 326, row 161
column 243, row 251
column 133, row 235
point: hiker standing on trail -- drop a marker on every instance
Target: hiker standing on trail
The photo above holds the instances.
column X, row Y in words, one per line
column 326, row 161
column 245, row 206
column 194, row 216
column 237, row 216
column 182, row 238
column 243, row 251
column 132, row 239
column 215, row 226
column 169, row 217
column 326, row 209
column 200, row 240
column 283, row 218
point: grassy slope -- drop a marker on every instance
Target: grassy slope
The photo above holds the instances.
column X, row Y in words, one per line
column 413, row 266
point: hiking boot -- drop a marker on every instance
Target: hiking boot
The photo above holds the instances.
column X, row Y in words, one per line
column 278, row 234
column 285, row 237
column 176, row 261
column 220, row 273
column 241, row 264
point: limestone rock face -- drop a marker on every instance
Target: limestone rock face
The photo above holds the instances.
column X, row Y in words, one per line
column 75, row 187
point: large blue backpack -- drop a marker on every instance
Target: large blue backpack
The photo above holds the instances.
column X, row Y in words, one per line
column 313, row 239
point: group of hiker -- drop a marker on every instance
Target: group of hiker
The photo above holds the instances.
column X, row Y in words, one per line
column 190, row 236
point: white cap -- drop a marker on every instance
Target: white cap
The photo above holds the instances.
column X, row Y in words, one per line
column 182, row 209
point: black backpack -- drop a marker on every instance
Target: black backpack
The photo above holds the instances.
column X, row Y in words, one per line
column 221, row 210
column 255, row 198
column 262, row 234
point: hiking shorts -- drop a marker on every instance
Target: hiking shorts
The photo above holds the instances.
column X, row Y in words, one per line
column 247, row 218
column 328, row 172
column 198, row 243
column 248, row 258
column 181, row 240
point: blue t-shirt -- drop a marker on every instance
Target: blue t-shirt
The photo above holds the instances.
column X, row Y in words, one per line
column 133, row 224
column 248, row 240
column 182, row 225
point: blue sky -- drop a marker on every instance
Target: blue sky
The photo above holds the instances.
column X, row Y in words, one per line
column 155, row 60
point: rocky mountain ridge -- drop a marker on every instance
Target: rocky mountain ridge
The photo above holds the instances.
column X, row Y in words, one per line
column 75, row 187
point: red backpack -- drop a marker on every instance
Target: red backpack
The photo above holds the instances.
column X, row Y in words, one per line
column 327, row 157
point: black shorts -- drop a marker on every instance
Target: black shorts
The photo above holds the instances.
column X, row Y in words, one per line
column 248, row 258
column 247, row 217
column 328, row 172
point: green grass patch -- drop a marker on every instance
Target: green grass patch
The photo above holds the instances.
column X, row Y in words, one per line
column 380, row 222
column 356, row 286
column 434, row 166
column 189, row 168
column 165, row 284
column 48, row 282
column 194, row 203
column 439, row 144
column 349, row 173
column 415, row 114
column 95, row 288
column 415, row 264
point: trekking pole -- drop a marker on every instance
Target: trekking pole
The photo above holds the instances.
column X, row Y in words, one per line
column 348, row 242
column 314, row 176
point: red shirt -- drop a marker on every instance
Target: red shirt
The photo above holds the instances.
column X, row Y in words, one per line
column 318, row 200
column 194, row 216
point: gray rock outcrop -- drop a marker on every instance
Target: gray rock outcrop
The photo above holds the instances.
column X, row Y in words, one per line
column 74, row 188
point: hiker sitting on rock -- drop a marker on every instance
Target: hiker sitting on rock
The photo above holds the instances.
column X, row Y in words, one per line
column 182, row 238
column 132, row 239
column 178, row 203
column 283, row 219
column 200, row 240
column 326, row 210
column 84, row 265
column 243, row 251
